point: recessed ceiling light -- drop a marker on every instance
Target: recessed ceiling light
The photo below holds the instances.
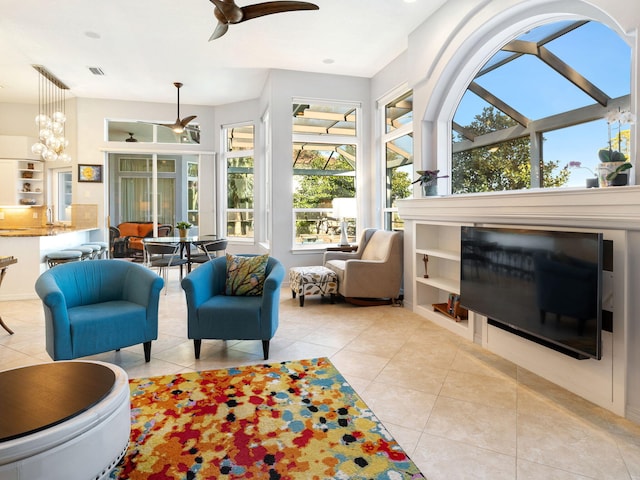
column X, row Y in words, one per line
column 92, row 35
column 328, row 61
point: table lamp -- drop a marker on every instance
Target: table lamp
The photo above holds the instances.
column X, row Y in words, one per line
column 344, row 208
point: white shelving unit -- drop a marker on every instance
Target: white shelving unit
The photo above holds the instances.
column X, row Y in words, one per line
column 440, row 244
column 30, row 182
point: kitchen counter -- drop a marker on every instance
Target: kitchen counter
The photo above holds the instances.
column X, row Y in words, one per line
column 39, row 231
column 30, row 247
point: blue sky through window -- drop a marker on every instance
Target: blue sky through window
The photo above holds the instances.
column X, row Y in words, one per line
column 537, row 91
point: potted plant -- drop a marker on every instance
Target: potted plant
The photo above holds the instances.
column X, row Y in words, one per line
column 429, row 181
column 183, row 228
column 614, row 162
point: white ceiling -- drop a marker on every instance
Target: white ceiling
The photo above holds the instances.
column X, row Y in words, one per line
column 146, row 45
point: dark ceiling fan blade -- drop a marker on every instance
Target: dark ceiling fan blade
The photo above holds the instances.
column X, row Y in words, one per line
column 268, row 8
column 227, row 11
column 186, row 120
column 178, row 125
column 220, row 30
column 169, row 125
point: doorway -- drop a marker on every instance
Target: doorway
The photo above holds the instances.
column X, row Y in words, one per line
column 150, row 187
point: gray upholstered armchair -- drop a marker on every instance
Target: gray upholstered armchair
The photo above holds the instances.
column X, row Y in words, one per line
column 374, row 271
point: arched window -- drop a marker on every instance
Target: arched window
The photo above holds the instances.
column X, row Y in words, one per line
column 536, row 113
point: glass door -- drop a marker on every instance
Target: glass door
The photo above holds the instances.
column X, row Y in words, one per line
column 136, row 195
column 153, row 187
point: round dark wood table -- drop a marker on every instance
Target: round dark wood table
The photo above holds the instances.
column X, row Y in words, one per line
column 40, row 396
column 66, row 420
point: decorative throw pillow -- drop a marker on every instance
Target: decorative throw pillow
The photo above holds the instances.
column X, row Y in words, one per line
column 245, row 275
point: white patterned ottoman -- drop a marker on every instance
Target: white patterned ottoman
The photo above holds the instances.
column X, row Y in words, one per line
column 315, row 280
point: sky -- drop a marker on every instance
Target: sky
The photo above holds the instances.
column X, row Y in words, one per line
column 537, row 91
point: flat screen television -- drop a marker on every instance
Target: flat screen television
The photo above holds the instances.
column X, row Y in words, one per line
column 543, row 285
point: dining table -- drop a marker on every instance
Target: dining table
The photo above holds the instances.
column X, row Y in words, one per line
column 185, row 244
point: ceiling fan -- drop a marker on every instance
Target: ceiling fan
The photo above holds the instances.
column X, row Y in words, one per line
column 180, row 125
column 227, row 12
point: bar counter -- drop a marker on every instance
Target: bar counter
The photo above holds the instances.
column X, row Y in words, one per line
column 38, row 231
column 30, row 247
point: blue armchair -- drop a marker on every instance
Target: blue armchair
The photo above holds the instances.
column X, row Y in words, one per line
column 213, row 315
column 96, row 306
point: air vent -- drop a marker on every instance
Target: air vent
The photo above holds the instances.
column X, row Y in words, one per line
column 96, row 70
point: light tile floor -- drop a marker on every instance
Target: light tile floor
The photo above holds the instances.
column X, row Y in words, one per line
column 460, row 412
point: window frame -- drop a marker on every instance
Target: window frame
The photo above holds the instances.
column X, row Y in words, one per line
column 327, row 139
column 387, row 212
column 142, row 128
column 226, row 155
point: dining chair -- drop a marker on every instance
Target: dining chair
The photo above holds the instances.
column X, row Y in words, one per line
column 208, row 250
column 165, row 230
column 163, row 256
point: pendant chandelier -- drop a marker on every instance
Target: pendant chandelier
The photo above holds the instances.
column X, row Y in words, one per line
column 51, row 118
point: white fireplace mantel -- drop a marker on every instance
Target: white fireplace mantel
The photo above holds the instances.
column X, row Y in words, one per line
column 613, row 207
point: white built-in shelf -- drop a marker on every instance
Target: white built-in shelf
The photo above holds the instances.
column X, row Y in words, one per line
column 441, row 243
column 436, row 252
column 441, row 283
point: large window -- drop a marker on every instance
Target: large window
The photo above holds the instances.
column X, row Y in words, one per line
column 147, row 132
column 397, row 139
column 239, row 163
column 324, row 173
column 538, row 108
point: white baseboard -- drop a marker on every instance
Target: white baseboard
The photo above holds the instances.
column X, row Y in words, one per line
column 633, row 414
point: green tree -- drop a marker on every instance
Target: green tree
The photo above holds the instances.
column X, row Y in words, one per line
column 504, row 166
column 400, row 185
column 318, row 186
column 317, row 189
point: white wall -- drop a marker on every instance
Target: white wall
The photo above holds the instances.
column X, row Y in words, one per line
column 18, row 119
column 444, row 54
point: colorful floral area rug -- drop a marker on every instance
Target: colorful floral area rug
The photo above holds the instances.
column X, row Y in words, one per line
column 290, row 420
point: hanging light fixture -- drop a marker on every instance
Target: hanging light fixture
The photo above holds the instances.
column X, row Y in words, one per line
column 51, row 117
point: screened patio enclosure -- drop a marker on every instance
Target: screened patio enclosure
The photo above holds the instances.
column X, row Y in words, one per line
column 324, row 160
column 538, row 108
